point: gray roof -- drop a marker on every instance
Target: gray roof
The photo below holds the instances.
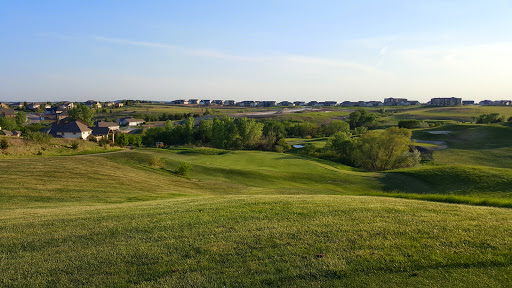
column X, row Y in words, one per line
column 74, row 126
column 106, row 124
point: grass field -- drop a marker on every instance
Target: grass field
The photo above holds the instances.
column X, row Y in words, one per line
column 259, row 219
column 248, row 218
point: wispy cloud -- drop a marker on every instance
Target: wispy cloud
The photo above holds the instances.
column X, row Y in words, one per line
column 180, row 49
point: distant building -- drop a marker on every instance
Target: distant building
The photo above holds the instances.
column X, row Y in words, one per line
column 93, row 104
column 180, row 102
column 66, row 105
column 486, row 102
column 329, row 103
column 348, row 104
column 286, row 103
column 468, row 102
column 247, row 104
column 130, row 121
column 110, row 125
column 193, row 101
column 217, row 102
column 205, row 102
column 395, row 101
column 267, row 103
column 299, row 103
column 313, row 103
column 446, row 101
column 229, row 103
column 502, row 103
column 7, row 113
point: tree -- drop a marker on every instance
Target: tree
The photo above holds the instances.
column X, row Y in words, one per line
column 21, row 118
column 336, row 126
column 390, row 149
column 362, row 118
column 82, row 112
column 8, row 123
column 249, row 131
column 342, row 145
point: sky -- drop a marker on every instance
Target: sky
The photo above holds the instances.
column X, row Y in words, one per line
column 255, row 50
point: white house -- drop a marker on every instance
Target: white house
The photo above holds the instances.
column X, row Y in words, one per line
column 130, row 121
column 75, row 129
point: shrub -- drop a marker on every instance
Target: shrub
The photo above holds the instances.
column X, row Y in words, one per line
column 156, row 162
column 38, row 137
column 410, row 124
column 4, row 144
column 490, row 118
column 75, row 144
column 183, row 169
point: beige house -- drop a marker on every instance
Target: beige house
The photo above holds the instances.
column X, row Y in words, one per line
column 72, row 130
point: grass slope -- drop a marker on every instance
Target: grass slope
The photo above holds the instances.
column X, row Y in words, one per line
column 248, row 218
column 258, row 241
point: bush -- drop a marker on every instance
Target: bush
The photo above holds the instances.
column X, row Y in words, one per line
column 75, row 144
column 38, row 137
column 4, row 144
column 183, row 169
column 490, row 118
column 410, row 124
column 156, row 162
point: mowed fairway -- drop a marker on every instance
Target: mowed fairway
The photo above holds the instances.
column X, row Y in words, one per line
column 240, row 219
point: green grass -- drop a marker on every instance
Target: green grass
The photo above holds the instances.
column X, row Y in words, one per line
column 253, row 219
column 317, row 142
column 475, row 145
column 23, row 148
column 258, row 241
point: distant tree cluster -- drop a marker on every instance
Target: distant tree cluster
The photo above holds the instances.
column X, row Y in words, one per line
column 373, row 151
column 490, row 118
column 166, row 116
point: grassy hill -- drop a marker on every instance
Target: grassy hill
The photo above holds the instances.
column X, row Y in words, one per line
column 248, row 218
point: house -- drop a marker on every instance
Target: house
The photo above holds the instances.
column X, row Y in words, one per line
column 395, row 101
column 93, row 104
column 36, row 106
column 217, row 102
column 468, row 102
column 205, row 102
column 66, row 105
column 486, row 102
column 502, row 103
column 12, row 133
column 247, row 104
column 329, row 103
column 299, row 103
column 71, row 130
column 268, row 103
column 229, row 103
column 130, row 121
column 99, row 133
column 109, row 104
column 3, row 105
column 53, row 111
column 180, row 102
column 348, row 104
column 7, row 113
column 17, row 105
column 286, row 103
column 119, row 104
column 193, row 101
column 414, row 102
column 313, row 103
column 110, row 125
column 374, row 104
column 446, row 101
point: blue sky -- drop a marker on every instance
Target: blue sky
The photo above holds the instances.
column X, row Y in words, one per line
column 242, row 50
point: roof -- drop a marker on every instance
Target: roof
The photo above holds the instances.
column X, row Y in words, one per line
column 74, row 126
column 6, row 111
column 106, row 124
column 131, row 119
column 100, row 130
